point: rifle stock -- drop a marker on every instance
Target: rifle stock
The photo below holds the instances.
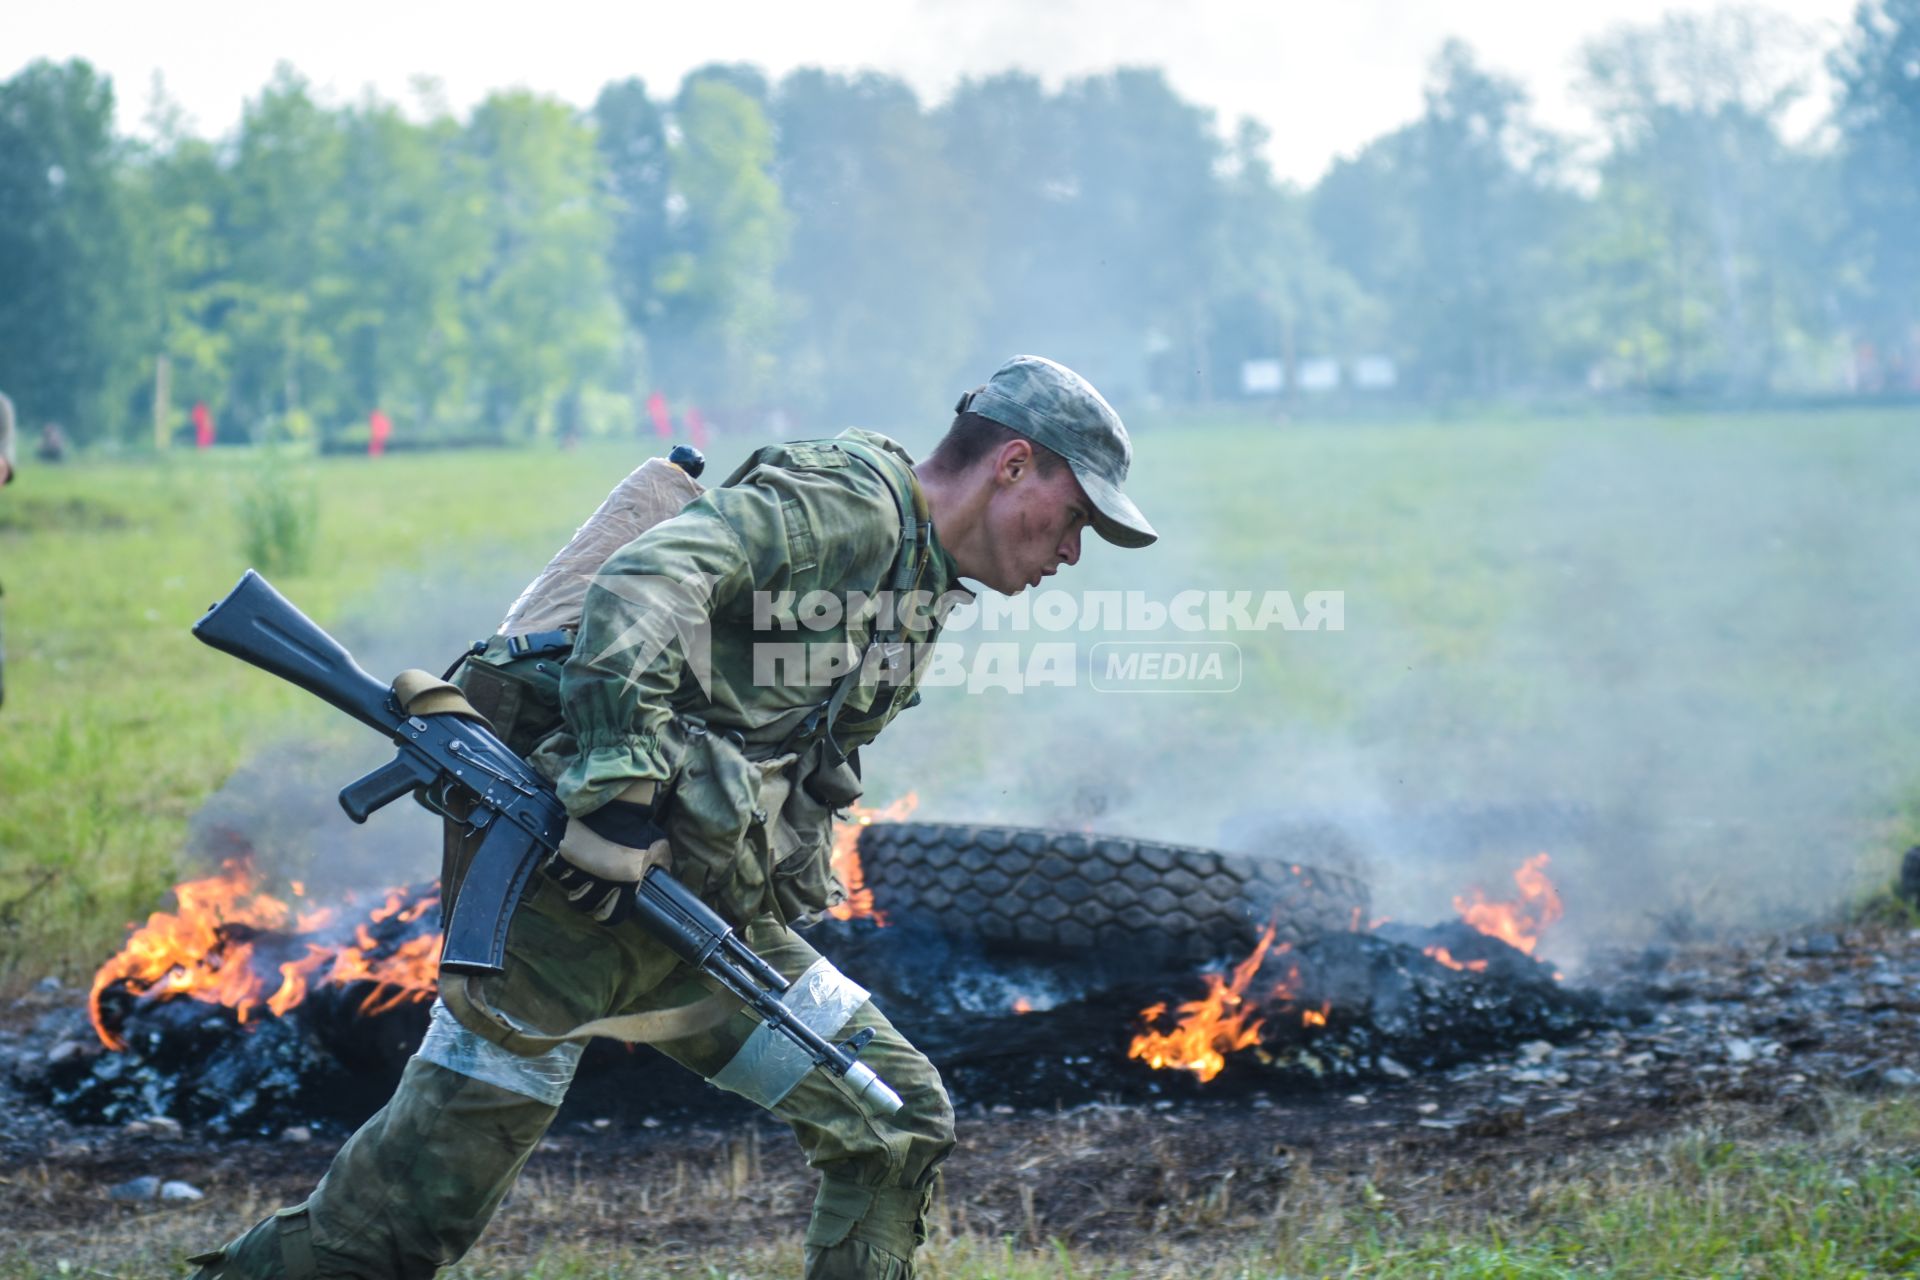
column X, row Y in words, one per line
column 257, row 624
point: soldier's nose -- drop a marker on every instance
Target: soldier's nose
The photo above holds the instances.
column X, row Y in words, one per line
column 1070, row 549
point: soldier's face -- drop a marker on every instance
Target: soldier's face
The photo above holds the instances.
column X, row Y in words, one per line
column 1034, row 523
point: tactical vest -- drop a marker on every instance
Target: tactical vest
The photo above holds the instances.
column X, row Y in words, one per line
column 751, row 826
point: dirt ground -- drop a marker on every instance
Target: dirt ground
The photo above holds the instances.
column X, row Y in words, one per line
column 1750, row 1035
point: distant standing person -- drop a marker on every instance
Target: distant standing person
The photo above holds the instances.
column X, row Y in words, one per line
column 53, row 444
column 6, row 478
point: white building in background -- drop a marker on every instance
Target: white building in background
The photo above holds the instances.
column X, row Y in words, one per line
column 1262, row 377
column 1268, row 377
column 1321, row 373
column 1375, row 373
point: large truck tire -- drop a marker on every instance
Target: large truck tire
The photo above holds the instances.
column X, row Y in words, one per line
column 1062, row 892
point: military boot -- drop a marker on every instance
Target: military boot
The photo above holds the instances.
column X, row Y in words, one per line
column 276, row 1248
column 865, row 1233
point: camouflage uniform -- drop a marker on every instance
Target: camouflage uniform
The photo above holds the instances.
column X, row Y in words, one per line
column 749, row 820
column 413, row 1189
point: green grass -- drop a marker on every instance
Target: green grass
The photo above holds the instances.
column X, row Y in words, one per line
column 117, row 723
column 1839, row 1203
column 1700, row 623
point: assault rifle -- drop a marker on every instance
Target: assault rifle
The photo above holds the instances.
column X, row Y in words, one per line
column 522, row 818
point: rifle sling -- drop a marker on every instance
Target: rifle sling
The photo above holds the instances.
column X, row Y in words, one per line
column 470, row 1007
column 420, row 693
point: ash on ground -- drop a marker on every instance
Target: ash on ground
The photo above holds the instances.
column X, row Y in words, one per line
column 1004, row 1028
column 1754, row 1033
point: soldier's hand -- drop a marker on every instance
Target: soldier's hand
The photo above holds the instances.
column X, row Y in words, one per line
column 604, row 854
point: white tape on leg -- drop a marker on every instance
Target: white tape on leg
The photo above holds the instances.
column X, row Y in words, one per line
column 544, row 1078
column 769, row 1065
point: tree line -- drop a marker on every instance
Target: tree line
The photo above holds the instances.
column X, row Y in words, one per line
column 829, row 249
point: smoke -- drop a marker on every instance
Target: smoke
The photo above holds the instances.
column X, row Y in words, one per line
column 280, row 807
column 1674, row 658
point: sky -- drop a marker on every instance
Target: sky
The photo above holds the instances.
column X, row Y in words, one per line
column 1325, row 78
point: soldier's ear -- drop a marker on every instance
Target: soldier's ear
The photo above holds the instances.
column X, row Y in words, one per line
column 1013, row 460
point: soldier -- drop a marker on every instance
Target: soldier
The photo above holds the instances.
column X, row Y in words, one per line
column 750, row 769
column 6, row 478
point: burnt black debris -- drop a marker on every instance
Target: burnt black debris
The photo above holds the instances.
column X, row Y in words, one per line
column 1005, row 1028
column 194, row 1062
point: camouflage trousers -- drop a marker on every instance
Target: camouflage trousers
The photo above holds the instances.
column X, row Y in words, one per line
column 414, row 1188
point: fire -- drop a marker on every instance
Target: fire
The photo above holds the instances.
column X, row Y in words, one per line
column 1519, row 924
column 1022, row 1005
column 846, row 855
column 215, row 947
column 1445, row 957
column 1210, row 1028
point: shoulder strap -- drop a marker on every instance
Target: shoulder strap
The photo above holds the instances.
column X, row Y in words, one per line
column 908, row 562
column 912, row 554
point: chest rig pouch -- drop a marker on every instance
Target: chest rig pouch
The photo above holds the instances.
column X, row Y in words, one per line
column 752, row 823
column 751, row 827
column 515, row 683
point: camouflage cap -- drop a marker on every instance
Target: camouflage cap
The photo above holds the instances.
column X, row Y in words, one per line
column 1052, row 405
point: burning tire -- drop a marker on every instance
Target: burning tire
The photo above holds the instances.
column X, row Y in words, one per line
column 1060, row 891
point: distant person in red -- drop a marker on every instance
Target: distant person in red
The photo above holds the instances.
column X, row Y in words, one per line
column 662, row 420
column 202, row 425
column 379, row 427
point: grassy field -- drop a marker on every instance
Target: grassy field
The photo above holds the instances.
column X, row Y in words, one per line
column 1837, row 1200
column 1701, row 627
column 1702, row 624
column 118, row 724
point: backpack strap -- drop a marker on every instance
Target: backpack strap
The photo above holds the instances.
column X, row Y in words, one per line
column 908, row 564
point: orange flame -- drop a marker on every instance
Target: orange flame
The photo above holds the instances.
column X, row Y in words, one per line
column 1518, row 924
column 1445, row 957
column 846, row 855
column 1022, row 1005
column 206, row 948
column 1209, row 1028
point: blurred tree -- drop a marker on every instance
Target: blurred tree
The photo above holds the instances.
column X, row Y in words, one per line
column 1488, row 209
column 741, row 76
column 283, row 223
column 1708, row 260
column 1145, row 205
column 414, row 234
column 541, row 311
column 1096, row 213
column 178, row 187
column 1275, row 291
column 1004, row 141
column 1362, row 210
column 73, row 311
column 632, row 139
column 721, row 310
column 1879, row 117
column 1449, row 222
column 884, row 286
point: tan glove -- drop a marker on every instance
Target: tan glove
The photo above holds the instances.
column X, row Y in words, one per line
column 599, row 870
